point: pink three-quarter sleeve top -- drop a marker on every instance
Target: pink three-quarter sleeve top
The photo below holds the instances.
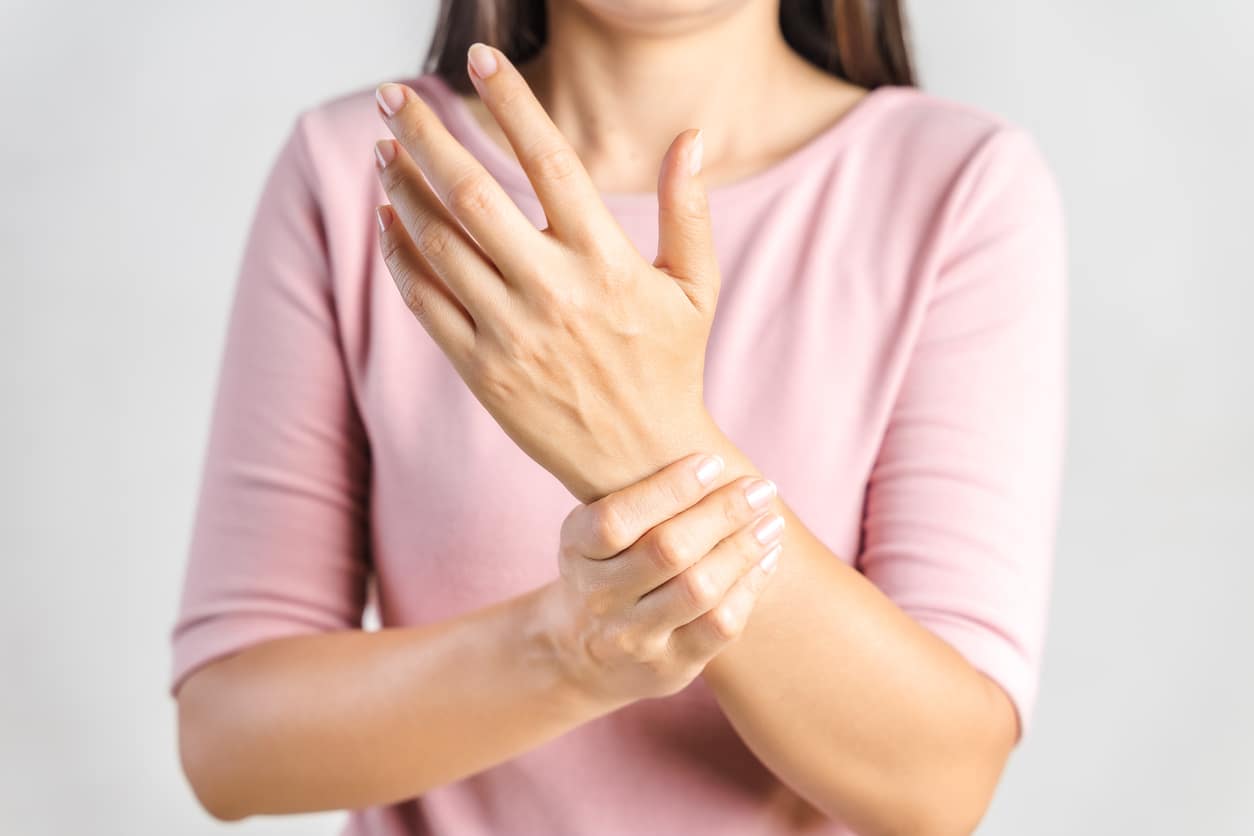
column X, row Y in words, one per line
column 888, row 348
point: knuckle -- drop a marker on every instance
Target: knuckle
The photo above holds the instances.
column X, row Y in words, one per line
column 479, row 366
column 495, row 380
column 407, row 281
column 414, row 125
column 511, row 94
column 555, row 163
column 698, row 589
column 432, row 238
column 602, row 599
column 627, row 643
column 555, row 300
column 689, row 212
column 513, row 343
column 538, row 273
column 725, row 622
column 596, row 648
column 470, row 196
column 609, row 527
column 669, row 550
column 597, row 598
column 413, row 297
column 609, row 263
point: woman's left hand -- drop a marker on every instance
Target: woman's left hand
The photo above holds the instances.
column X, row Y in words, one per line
column 587, row 355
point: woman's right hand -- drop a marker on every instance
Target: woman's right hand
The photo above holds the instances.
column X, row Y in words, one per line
column 658, row 577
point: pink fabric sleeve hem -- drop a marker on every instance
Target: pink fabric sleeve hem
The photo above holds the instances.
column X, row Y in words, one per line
column 995, row 658
column 212, row 639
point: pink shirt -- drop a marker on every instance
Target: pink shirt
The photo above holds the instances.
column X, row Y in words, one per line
column 888, row 348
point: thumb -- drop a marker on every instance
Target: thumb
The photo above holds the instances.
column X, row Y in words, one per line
column 685, row 247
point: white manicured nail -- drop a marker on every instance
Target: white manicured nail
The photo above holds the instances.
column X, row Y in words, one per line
column 769, row 529
column 709, row 469
column 771, row 559
column 695, row 151
column 760, row 493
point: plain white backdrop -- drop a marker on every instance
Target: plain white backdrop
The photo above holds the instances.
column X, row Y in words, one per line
column 134, row 140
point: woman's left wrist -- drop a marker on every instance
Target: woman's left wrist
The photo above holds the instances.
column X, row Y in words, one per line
column 672, row 441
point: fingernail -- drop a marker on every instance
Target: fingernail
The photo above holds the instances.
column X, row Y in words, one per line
column 384, row 153
column 695, row 151
column 383, row 214
column 482, row 60
column 709, row 469
column 391, row 98
column 771, row 559
column 768, row 529
column 759, row 493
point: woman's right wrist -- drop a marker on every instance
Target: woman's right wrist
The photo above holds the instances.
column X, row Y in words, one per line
column 555, row 641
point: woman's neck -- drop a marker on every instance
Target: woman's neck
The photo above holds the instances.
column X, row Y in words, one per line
column 621, row 91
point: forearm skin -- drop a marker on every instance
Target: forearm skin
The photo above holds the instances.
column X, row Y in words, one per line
column 354, row 719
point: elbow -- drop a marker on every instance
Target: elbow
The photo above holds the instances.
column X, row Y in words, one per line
column 938, row 817
column 203, row 743
column 951, row 793
column 952, row 797
column 933, row 811
column 945, row 795
column 215, row 797
column 218, row 808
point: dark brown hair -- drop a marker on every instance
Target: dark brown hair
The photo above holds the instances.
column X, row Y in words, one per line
column 861, row 41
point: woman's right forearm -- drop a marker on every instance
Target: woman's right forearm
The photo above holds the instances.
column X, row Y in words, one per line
column 354, row 719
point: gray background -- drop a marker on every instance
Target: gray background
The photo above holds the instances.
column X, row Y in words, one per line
column 134, row 142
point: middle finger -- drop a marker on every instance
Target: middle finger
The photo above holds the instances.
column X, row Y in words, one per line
column 572, row 204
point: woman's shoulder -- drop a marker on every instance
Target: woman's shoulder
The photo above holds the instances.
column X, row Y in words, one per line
column 944, row 143
column 916, row 112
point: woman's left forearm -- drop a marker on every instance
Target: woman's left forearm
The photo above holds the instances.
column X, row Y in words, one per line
column 862, row 711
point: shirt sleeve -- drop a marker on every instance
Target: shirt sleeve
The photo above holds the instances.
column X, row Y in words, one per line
column 279, row 543
column 962, row 499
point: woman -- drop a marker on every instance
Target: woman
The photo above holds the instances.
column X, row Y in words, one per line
column 814, row 442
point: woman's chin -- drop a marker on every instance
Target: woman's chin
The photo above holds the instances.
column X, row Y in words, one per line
column 659, row 16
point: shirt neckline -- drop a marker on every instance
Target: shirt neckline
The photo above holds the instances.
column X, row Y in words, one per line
column 502, row 165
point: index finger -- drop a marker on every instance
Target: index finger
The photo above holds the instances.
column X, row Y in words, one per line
column 570, row 199
column 606, row 527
